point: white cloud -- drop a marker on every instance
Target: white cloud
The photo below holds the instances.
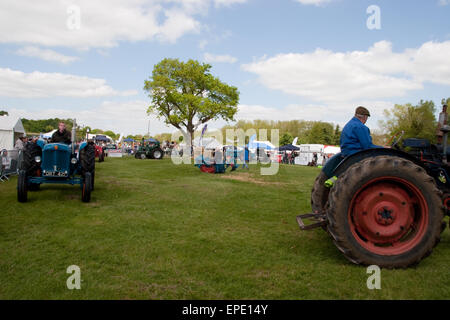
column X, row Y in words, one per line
column 314, row 2
column 102, row 23
column 227, row 3
column 202, row 44
column 377, row 73
column 128, row 117
column 45, row 54
column 211, row 58
column 37, row 84
column 444, row 2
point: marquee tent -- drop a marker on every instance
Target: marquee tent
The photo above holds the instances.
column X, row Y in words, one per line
column 10, row 130
column 48, row 135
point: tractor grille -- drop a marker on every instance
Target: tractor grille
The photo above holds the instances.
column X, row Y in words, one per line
column 55, row 160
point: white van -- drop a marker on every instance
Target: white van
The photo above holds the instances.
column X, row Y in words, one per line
column 307, row 154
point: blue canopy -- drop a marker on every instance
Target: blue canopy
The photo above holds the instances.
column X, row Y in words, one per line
column 101, row 138
column 128, row 140
column 289, row 147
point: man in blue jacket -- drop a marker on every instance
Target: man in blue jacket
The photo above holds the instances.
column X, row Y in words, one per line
column 356, row 136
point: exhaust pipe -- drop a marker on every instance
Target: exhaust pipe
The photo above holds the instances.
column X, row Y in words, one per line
column 74, row 134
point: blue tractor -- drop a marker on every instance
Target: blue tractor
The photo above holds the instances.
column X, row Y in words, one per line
column 57, row 163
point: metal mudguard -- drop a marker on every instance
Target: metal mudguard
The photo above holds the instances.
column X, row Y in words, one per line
column 338, row 164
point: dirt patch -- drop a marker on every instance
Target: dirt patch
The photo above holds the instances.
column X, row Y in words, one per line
column 245, row 177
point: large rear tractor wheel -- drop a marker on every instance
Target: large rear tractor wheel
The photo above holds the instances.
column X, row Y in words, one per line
column 29, row 155
column 87, row 158
column 385, row 211
column 22, row 188
column 86, row 187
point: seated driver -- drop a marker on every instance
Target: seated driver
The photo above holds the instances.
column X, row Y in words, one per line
column 62, row 135
column 356, row 135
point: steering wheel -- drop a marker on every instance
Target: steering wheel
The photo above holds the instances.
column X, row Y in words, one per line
column 395, row 139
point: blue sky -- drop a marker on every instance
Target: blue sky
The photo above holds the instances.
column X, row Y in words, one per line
column 290, row 59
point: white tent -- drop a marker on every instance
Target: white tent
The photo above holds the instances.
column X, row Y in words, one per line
column 331, row 150
column 92, row 136
column 48, row 135
column 207, row 143
column 10, row 130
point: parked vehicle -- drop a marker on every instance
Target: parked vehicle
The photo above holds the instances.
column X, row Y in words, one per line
column 149, row 149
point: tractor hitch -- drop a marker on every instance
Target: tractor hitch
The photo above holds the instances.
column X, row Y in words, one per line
column 314, row 220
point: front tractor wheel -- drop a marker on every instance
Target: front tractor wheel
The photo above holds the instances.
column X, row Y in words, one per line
column 22, row 187
column 86, row 187
column 143, row 156
column 385, row 211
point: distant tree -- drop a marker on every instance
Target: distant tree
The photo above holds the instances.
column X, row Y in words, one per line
column 321, row 133
column 45, row 125
column 417, row 121
column 97, row 131
column 111, row 134
column 286, row 138
column 4, row 113
column 337, row 135
column 186, row 95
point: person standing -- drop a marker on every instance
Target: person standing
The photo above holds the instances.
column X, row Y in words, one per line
column 19, row 144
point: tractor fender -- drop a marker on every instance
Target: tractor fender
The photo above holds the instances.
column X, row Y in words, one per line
column 41, row 143
column 83, row 145
column 338, row 164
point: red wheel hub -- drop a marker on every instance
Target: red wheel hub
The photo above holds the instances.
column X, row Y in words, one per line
column 207, row 169
column 388, row 216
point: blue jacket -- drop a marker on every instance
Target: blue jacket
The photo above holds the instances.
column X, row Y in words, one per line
column 355, row 137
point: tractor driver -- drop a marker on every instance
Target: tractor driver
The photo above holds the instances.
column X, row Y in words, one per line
column 62, row 135
column 356, row 135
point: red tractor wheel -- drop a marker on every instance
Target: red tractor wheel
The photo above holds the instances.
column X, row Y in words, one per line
column 207, row 169
column 385, row 211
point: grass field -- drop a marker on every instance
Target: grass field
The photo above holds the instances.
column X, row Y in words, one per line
column 154, row 230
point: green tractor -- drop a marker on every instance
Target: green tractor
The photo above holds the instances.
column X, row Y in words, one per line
column 149, row 149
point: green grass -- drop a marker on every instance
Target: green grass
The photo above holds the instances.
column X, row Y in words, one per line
column 154, row 230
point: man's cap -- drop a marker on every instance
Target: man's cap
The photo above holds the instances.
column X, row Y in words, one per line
column 362, row 111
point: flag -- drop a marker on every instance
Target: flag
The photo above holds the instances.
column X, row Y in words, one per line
column 204, row 129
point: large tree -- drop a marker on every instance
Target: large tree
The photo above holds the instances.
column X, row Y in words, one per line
column 417, row 121
column 186, row 95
